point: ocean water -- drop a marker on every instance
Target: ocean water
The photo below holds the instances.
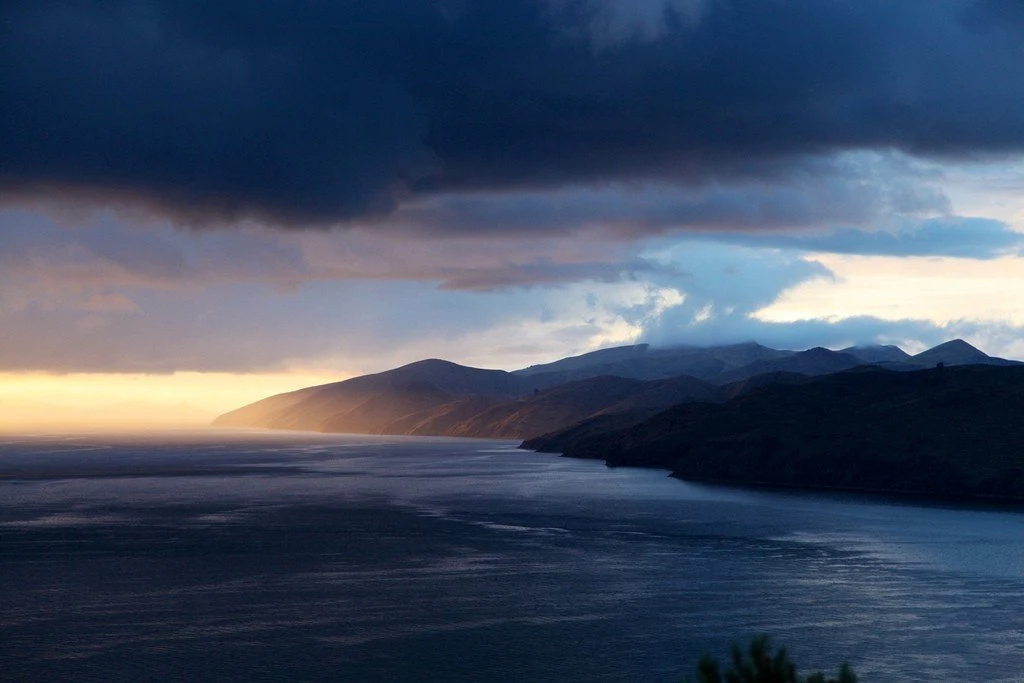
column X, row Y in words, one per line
column 247, row 556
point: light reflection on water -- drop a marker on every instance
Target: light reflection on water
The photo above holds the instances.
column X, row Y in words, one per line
column 263, row 556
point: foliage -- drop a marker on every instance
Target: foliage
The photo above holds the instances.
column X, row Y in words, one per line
column 760, row 665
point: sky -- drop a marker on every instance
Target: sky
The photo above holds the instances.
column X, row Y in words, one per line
column 202, row 204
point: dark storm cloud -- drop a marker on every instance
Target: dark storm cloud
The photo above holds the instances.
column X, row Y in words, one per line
column 223, row 109
column 850, row 190
column 316, row 112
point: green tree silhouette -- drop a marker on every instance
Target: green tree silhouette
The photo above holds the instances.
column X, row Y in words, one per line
column 760, row 665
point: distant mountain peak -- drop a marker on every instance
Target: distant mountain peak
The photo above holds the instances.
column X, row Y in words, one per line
column 961, row 346
column 591, row 358
column 820, row 352
column 954, row 352
column 878, row 353
column 866, row 347
column 429, row 363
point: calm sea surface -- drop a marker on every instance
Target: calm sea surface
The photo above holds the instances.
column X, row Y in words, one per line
column 295, row 557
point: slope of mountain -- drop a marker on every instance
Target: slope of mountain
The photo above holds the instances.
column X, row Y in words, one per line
column 369, row 402
column 878, row 354
column 386, row 405
column 379, row 408
column 573, row 402
column 643, row 362
column 734, row 389
column 550, row 409
column 956, row 352
column 948, row 432
column 435, row 397
column 441, row 420
column 601, row 357
column 816, row 361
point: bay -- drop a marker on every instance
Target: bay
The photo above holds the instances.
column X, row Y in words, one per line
column 263, row 556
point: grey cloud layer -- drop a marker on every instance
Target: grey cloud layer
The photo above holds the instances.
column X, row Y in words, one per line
column 45, row 265
column 225, row 318
column 816, row 192
column 951, row 236
column 317, row 112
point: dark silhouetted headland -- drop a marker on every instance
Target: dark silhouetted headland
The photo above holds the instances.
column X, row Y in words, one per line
column 950, row 432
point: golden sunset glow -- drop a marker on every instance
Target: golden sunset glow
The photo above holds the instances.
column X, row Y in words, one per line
column 179, row 399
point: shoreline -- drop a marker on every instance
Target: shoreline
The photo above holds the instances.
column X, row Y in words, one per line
column 891, row 495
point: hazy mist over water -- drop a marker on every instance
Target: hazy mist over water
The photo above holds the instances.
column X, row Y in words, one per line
column 298, row 557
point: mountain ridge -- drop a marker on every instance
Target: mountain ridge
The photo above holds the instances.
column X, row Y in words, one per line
column 437, row 397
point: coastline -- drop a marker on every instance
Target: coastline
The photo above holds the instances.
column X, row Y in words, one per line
column 1015, row 504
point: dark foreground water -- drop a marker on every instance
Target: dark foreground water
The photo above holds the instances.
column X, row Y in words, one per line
column 294, row 557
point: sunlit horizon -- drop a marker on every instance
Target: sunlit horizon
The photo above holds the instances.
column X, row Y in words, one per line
column 137, row 401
